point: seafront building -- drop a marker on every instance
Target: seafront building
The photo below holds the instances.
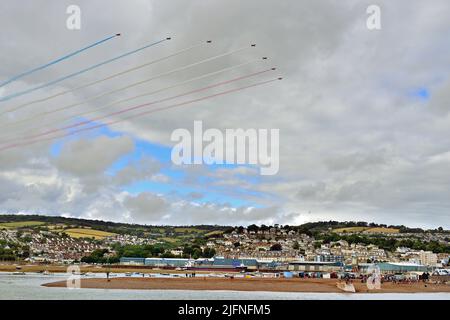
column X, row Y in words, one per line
column 321, row 267
column 428, row 258
column 394, row 268
column 316, row 266
column 213, row 263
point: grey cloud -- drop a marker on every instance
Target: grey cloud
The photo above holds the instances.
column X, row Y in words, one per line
column 145, row 169
column 354, row 142
column 146, row 207
column 210, row 213
column 312, row 191
column 89, row 157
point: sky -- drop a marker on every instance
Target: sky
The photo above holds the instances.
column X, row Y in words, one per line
column 363, row 114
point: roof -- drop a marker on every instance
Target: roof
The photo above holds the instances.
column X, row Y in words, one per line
column 315, row 263
column 129, row 259
column 234, row 262
column 401, row 267
column 406, row 264
column 167, row 261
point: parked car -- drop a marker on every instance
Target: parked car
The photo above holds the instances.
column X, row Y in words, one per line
column 441, row 272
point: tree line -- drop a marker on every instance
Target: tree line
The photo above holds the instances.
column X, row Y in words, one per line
column 104, row 256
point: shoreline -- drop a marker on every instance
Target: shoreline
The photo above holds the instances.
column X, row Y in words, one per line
column 93, row 269
column 252, row 284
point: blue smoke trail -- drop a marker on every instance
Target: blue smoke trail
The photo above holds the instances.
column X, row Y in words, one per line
column 21, row 93
column 19, row 76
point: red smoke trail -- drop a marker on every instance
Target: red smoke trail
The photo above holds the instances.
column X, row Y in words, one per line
column 144, row 105
column 137, row 115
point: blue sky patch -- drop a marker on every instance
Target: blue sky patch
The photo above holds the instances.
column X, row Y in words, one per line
column 422, row 94
column 179, row 187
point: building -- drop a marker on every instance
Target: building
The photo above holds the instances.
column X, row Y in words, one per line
column 216, row 263
column 156, row 262
column 428, row 258
column 315, row 266
column 132, row 261
column 220, row 262
column 329, row 258
column 166, row 262
column 393, row 268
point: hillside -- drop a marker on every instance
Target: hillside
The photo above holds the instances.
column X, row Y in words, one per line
column 21, row 221
column 98, row 230
column 47, row 238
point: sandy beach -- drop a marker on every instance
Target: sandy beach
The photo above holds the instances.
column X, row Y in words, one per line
column 252, row 284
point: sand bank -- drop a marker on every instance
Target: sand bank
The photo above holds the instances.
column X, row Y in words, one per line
column 252, row 284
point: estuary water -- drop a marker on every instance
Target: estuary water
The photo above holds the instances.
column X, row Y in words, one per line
column 29, row 286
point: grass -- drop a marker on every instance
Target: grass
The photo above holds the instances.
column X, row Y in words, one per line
column 88, row 233
column 350, row 229
column 187, row 230
column 56, row 227
column 212, row 233
column 382, row 230
column 366, row 230
column 158, row 230
column 21, row 224
column 169, row 240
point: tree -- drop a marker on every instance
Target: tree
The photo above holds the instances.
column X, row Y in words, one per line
column 276, row 247
column 209, row 253
column 97, row 256
column 196, row 253
column 27, row 239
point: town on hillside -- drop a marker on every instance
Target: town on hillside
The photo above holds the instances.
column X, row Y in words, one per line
column 320, row 247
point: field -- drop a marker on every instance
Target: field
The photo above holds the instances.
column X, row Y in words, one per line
column 187, row 230
column 382, row 230
column 88, row 233
column 212, row 233
column 21, row 224
column 350, row 229
column 366, row 230
column 169, row 240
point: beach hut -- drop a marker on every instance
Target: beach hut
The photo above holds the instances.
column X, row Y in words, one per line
column 288, row 274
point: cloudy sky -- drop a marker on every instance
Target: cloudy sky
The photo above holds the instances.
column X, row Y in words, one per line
column 363, row 114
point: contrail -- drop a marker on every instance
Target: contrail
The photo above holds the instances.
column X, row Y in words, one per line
column 104, row 79
column 21, row 75
column 137, row 115
column 148, row 104
column 125, row 87
column 21, row 93
column 18, row 137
